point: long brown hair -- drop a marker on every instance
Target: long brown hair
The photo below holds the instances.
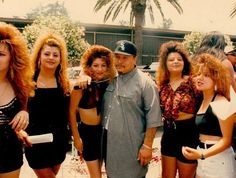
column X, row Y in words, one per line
column 165, row 50
column 55, row 40
column 19, row 73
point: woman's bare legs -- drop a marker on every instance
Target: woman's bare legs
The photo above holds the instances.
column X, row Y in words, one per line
column 186, row 170
column 47, row 172
column 169, row 166
column 12, row 174
column 94, row 168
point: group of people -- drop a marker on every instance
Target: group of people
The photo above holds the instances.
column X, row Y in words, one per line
column 34, row 100
column 114, row 109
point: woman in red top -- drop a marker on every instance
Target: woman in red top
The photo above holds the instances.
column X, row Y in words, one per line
column 179, row 104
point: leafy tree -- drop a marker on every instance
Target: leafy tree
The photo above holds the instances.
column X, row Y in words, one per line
column 53, row 9
column 193, row 40
column 72, row 32
column 137, row 14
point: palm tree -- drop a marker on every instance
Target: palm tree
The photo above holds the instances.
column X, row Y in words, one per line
column 233, row 12
column 137, row 15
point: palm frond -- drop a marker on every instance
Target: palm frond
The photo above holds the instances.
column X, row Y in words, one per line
column 158, row 5
column 176, row 6
column 233, row 12
column 150, row 10
column 131, row 20
column 109, row 11
column 100, row 4
column 118, row 8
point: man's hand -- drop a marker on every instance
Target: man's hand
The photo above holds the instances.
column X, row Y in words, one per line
column 144, row 155
column 83, row 81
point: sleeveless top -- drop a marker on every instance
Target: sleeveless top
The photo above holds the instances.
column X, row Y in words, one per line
column 208, row 123
column 48, row 110
column 8, row 111
column 92, row 96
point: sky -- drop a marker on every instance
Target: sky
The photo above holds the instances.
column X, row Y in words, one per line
column 198, row 15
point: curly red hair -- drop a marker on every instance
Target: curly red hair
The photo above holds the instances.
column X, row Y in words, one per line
column 165, row 50
column 19, row 73
column 98, row 51
column 216, row 71
column 52, row 39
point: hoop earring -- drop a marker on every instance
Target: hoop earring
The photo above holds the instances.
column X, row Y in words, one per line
column 39, row 64
column 11, row 73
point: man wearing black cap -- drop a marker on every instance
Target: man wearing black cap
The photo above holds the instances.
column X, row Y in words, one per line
column 131, row 115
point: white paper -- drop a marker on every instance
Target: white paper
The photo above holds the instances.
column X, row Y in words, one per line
column 43, row 138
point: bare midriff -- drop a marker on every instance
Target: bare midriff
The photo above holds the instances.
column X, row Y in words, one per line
column 184, row 116
column 89, row 116
column 204, row 138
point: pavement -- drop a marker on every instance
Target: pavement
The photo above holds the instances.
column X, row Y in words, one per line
column 73, row 167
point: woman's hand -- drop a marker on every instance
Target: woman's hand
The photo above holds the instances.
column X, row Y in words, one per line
column 191, row 153
column 20, row 121
column 78, row 145
column 24, row 138
column 144, row 155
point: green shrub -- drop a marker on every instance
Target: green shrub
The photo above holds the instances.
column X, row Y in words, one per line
column 73, row 34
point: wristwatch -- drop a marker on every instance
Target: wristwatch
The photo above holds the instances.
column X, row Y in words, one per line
column 202, row 156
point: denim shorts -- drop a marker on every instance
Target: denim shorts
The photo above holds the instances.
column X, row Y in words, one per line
column 221, row 165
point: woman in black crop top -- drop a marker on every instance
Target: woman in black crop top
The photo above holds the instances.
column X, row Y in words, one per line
column 15, row 87
column 214, row 154
column 48, row 109
column 98, row 63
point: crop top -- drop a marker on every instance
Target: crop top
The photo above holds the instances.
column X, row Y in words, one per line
column 92, row 96
column 208, row 123
column 8, row 111
column 186, row 98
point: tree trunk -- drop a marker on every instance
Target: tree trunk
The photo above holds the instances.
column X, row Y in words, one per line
column 139, row 15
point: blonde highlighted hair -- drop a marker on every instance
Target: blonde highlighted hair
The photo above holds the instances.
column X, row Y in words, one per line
column 19, row 73
column 54, row 40
column 216, row 71
column 98, row 51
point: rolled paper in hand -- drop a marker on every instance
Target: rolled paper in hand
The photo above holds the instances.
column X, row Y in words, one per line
column 43, row 138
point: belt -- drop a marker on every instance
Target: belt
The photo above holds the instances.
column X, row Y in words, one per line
column 204, row 145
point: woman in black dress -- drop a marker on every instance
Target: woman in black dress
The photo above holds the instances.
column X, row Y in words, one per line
column 48, row 109
column 15, row 87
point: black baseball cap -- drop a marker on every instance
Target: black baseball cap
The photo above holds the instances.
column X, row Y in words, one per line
column 125, row 47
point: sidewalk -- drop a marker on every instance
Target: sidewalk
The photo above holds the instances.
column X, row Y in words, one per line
column 74, row 168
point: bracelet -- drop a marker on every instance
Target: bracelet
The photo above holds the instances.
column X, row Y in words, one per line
column 148, row 147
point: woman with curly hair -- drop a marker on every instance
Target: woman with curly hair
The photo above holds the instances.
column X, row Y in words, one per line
column 214, row 153
column 15, row 87
column 98, row 63
column 48, row 109
column 179, row 101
